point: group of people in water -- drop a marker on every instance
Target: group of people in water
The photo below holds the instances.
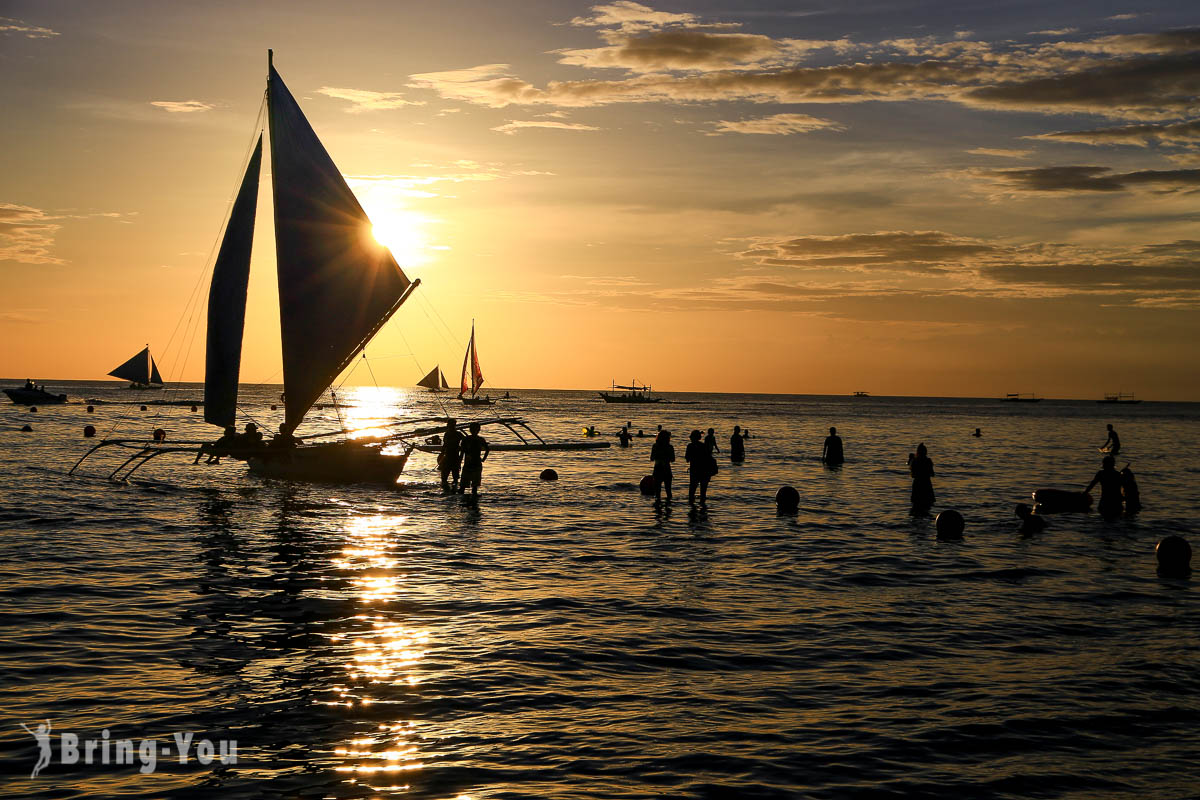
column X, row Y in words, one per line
column 460, row 461
column 700, row 455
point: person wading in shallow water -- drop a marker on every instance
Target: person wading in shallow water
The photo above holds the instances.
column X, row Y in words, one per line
column 662, row 453
column 831, row 452
column 920, row 467
column 700, row 468
column 1111, row 484
column 450, row 459
column 737, row 445
column 475, row 451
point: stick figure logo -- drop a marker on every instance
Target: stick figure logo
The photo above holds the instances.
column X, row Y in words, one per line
column 42, row 734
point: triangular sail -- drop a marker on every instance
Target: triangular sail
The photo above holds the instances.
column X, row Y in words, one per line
column 154, row 376
column 430, row 381
column 337, row 285
column 136, row 369
column 227, row 302
column 472, row 376
column 442, row 378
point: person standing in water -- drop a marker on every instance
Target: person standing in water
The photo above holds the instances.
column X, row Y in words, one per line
column 623, row 436
column 475, row 451
column 710, row 441
column 450, row 459
column 1112, row 445
column 700, row 464
column 831, row 453
column 920, row 467
column 1111, row 485
column 737, row 445
column 662, row 453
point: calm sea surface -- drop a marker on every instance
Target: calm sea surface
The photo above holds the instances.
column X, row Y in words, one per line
column 568, row 640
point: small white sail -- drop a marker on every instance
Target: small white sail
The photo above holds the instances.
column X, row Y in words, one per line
column 472, row 376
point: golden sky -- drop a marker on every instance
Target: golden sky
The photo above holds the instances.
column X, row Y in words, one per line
column 822, row 197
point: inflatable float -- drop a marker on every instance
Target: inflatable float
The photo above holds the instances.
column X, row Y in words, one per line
column 1061, row 501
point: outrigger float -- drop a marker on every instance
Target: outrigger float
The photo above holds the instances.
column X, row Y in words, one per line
column 359, row 460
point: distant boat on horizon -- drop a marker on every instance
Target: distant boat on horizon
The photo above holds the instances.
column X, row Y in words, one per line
column 140, row 371
column 32, row 394
column 435, row 381
column 862, row 394
column 1017, row 397
column 472, row 376
column 1121, row 398
column 629, row 394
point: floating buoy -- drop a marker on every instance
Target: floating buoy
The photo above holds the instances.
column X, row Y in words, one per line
column 950, row 525
column 160, row 435
column 33, row 409
column 89, row 431
column 788, row 499
column 194, row 408
column 274, row 407
column 27, row 429
column 144, row 408
column 1174, row 556
column 647, row 485
column 549, row 475
column 91, row 409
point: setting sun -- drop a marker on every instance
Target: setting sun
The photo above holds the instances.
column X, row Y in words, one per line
column 402, row 233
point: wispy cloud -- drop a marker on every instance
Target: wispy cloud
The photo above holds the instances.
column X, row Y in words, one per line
column 629, row 16
column 182, row 106
column 27, row 235
column 999, row 152
column 776, row 125
column 9, row 25
column 364, row 100
column 1088, row 178
column 517, row 125
column 1175, row 133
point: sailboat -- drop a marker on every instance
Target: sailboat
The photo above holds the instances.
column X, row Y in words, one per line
column 472, row 376
column 435, row 381
column 140, row 371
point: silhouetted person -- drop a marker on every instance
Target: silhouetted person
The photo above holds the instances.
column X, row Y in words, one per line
column 1129, row 488
column 249, row 439
column 832, row 453
column 662, row 453
column 746, row 433
column 475, row 451
column 221, row 447
column 977, row 433
column 1110, row 488
column 450, row 459
column 1030, row 523
column 710, row 441
column 920, row 467
column 284, row 440
column 29, row 384
column 641, row 434
column 737, row 445
column 1112, row 445
column 700, row 468
column 623, row 436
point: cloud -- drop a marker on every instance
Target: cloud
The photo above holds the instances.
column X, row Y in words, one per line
column 629, row 16
column 182, row 106
column 9, row 25
column 903, row 251
column 776, row 124
column 1056, row 32
column 692, row 49
column 364, row 100
column 999, row 152
column 516, row 125
column 1091, row 179
column 27, row 235
column 1175, row 133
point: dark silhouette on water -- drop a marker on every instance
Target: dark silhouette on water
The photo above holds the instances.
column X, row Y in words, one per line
column 920, row 466
column 662, row 453
column 250, row 438
column 1030, row 523
column 737, row 445
column 623, row 436
column 710, row 441
column 1129, row 488
column 221, row 447
column 450, row 458
column 1112, row 444
column 701, row 467
column 832, row 453
column 977, row 433
column 1110, row 504
column 475, row 451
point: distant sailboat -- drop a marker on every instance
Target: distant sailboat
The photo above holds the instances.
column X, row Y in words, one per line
column 435, row 381
column 140, row 371
column 472, row 376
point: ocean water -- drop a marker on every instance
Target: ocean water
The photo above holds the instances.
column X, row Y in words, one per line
column 569, row 640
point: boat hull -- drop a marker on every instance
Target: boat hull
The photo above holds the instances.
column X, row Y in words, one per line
column 34, row 397
column 339, row 462
column 477, row 401
column 628, row 398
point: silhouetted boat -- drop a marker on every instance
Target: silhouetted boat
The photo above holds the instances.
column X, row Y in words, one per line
column 862, row 394
column 1016, row 397
column 140, row 371
column 629, row 394
column 1120, row 397
column 472, row 376
column 32, row 395
column 435, row 381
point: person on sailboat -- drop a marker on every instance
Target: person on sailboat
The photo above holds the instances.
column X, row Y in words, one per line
column 221, row 447
column 662, row 453
column 284, row 440
column 450, row 459
column 250, row 438
column 475, row 451
column 737, row 445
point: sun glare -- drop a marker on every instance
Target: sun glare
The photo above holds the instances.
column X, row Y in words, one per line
column 403, row 233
